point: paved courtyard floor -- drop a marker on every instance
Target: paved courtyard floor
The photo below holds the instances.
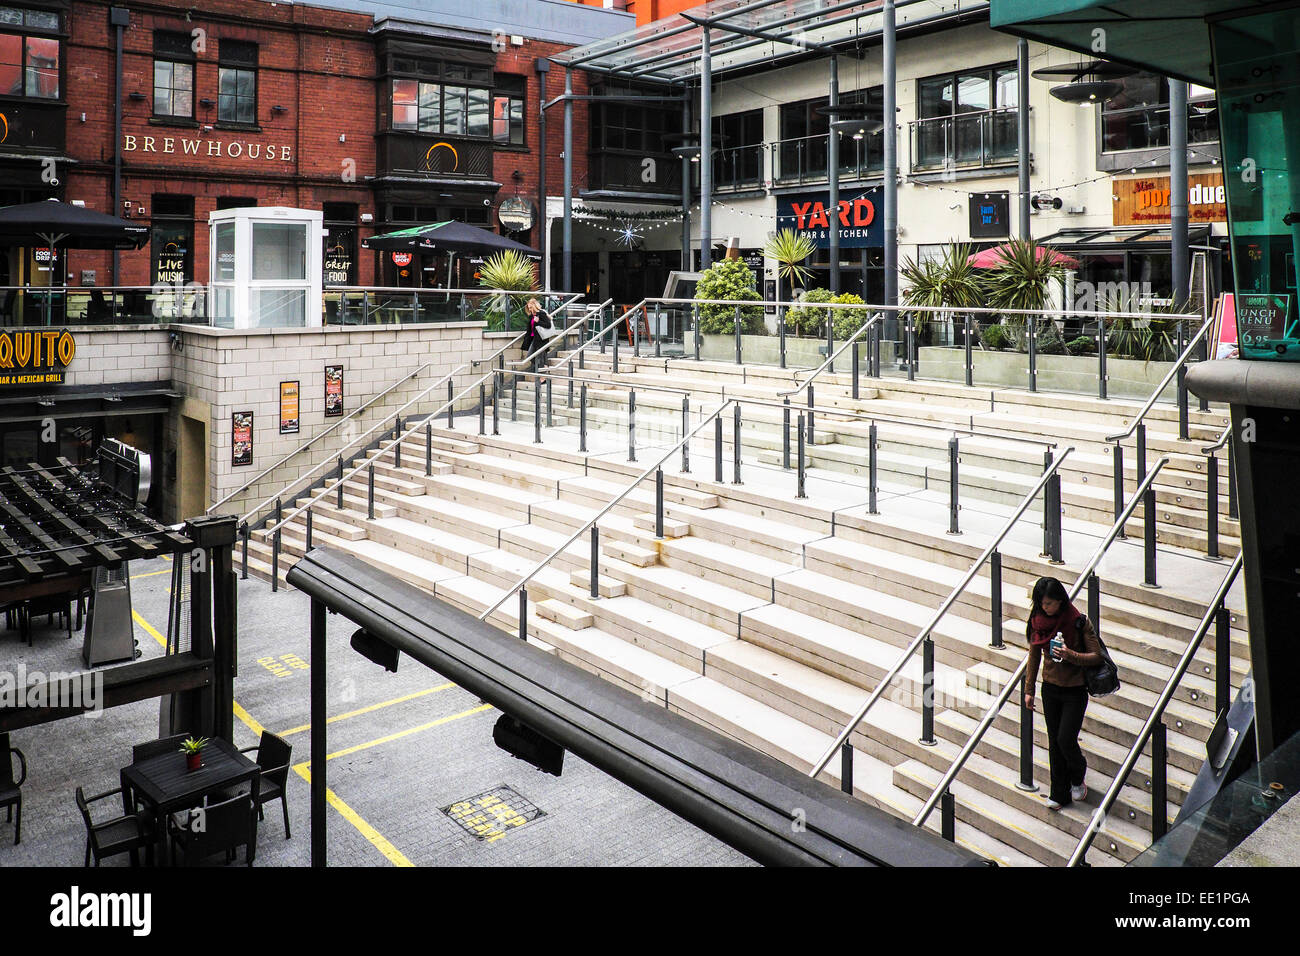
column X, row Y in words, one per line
column 410, row 755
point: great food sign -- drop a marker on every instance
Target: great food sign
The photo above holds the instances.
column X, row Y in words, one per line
column 809, row 214
column 35, row 358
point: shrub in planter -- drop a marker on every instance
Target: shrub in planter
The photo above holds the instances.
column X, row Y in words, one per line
column 729, row 279
column 848, row 321
column 802, row 319
column 1083, row 345
column 1050, row 339
column 995, row 337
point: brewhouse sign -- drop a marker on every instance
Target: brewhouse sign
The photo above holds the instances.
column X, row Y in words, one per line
column 35, row 358
column 207, row 148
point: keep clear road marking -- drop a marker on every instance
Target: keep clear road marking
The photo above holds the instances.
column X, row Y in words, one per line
column 390, row 852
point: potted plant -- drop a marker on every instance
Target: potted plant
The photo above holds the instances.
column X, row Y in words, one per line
column 728, row 280
column 192, row 748
column 511, row 271
column 1022, row 280
column 790, row 249
column 939, row 283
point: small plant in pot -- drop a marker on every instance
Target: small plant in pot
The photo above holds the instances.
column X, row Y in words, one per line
column 192, row 748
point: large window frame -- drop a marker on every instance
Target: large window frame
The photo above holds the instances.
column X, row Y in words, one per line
column 173, row 76
column 1137, row 118
column 967, row 118
column 31, row 47
column 509, row 110
column 802, row 135
column 236, row 83
column 436, row 97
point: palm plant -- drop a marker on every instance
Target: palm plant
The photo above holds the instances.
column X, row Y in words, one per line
column 1153, row 339
column 790, row 249
column 950, row 282
column 1021, row 281
column 508, row 270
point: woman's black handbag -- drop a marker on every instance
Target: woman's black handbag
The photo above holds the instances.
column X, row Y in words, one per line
column 1102, row 679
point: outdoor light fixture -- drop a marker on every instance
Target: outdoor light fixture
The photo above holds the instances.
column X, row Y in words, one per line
column 279, row 109
column 138, row 97
column 375, row 650
column 1088, row 83
column 207, row 103
column 521, row 741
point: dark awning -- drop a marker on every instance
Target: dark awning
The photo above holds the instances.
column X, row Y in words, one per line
column 449, row 236
column 1166, row 36
column 1084, row 240
column 50, row 223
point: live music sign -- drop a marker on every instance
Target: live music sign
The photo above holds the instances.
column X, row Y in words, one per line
column 809, row 213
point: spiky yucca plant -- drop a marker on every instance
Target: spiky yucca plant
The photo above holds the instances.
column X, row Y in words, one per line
column 939, row 283
column 508, row 270
column 193, row 745
column 790, row 249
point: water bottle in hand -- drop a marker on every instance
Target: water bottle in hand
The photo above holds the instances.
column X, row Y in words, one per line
column 1054, row 648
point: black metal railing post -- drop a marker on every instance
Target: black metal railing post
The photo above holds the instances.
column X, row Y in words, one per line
column 659, row 503
column 309, row 522
column 570, row 383
column 780, row 331
column 995, row 599
column 370, row 492
column 717, row 448
column 482, row 408
column 1181, row 378
column 1222, row 659
column 735, row 441
column 659, row 336
column 636, row 336
column 537, row 409
column 1232, row 483
column 948, row 816
column 802, row 460
column 873, row 352
column 497, row 383
column 514, row 398
column 1102, row 345
column 275, row 548
column 244, row 533
column 1031, row 337
column 954, row 486
column 615, row 336
column 451, row 405
column 811, row 441
column 1052, row 535
column 695, row 333
column 873, row 466
column 830, row 340
column 909, row 337
column 1149, row 536
column 1140, row 461
column 785, row 433
column 1026, row 781
column 428, row 444
column 550, row 406
column 523, row 614
column 595, row 563
column 846, row 768
column 856, row 389
column 631, row 424
column 1159, row 778
column 1212, row 506
column 970, row 355
column 1118, row 462
column 397, row 443
column 365, row 307
column 339, row 479
column 927, row 694
column 1094, row 601
column 739, row 360
column 582, row 418
column 686, row 427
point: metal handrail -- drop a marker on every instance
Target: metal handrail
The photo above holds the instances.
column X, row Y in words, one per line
column 1223, row 440
column 523, row 582
column 564, row 334
column 945, row 309
column 938, row 615
column 1157, row 712
column 361, row 438
column 379, row 453
column 830, row 360
column 991, row 714
column 636, row 386
column 1169, row 376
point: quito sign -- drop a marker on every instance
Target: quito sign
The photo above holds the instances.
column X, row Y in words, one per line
column 35, row 358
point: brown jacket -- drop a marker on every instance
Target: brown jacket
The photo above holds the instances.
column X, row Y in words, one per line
column 1081, row 650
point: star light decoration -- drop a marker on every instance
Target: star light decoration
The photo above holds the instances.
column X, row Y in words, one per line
column 629, row 236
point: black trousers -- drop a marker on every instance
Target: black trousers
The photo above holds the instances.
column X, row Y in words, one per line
column 1063, row 709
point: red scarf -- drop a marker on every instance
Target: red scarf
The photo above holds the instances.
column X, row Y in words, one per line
column 1043, row 628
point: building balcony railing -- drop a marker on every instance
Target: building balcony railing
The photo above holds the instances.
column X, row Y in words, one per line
column 426, row 154
column 968, row 140
column 739, row 167
column 28, row 306
column 803, row 159
column 634, row 172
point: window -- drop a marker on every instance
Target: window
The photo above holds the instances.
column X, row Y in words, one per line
column 1137, row 117
column 439, row 99
column 801, row 153
column 340, row 246
column 738, row 148
column 508, row 110
column 172, row 239
column 967, row 118
column 235, row 202
column 237, row 82
column 29, row 65
column 173, row 75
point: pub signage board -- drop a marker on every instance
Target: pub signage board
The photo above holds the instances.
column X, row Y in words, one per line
column 1145, row 201
column 990, row 215
column 860, row 225
column 37, row 357
column 241, row 444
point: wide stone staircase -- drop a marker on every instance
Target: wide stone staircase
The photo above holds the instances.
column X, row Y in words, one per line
column 770, row 617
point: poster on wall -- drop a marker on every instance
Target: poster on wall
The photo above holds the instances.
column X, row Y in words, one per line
column 333, row 391
column 288, row 408
column 241, row 447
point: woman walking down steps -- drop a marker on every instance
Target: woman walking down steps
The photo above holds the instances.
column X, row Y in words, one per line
column 1065, row 694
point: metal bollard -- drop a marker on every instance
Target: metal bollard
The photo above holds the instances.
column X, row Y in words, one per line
column 631, row 424
column 1212, row 506
column 582, row 418
column 1159, row 784
column 717, row 447
column 785, row 434
column 927, row 699
column 537, row 409
column 735, row 466
column 451, row 405
column 846, row 768
column 995, row 599
column 1118, row 462
column 1149, row 537
column 954, row 488
column 802, row 461
column 686, row 427
column 659, row 503
column 370, row 492
column 1026, row 781
column 308, row 529
column 873, row 448
column 595, row 563
column 523, row 614
column 428, row 445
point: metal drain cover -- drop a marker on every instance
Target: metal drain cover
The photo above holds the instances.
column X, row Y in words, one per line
column 492, row 814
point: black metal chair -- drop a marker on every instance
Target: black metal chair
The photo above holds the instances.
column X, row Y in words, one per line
column 11, row 790
column 128, row 833
column 153, row 748
column 273, row 757
column 214, row 828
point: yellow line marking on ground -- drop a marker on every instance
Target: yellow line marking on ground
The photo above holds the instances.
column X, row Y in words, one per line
column 247, row 720
column 150, row 574
column 371, row 708
column 394, row 855
column 406, row 733
column 135, row 616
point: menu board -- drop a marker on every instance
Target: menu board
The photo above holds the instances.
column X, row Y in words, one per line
column 333, row 391
column 241, row 447
column 288, row 408
column 1262, row 320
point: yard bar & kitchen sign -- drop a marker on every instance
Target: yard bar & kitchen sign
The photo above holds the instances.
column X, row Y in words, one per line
column 809, row 215
column 35, row 358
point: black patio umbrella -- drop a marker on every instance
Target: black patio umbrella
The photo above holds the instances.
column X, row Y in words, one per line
column 53, row 223
column 449, row 236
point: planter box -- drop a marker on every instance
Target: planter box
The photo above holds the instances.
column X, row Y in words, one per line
column 766, row 350
column 1127, row 378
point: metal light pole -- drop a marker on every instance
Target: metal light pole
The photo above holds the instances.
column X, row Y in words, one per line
column 706, row 151
column 833, row 175
column 1178, row 190
column 567, row 277
column 891, row 169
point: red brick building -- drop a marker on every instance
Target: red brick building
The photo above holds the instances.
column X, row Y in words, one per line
column 380, row 124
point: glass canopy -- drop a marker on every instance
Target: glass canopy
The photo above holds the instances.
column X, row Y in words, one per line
column 743, row 33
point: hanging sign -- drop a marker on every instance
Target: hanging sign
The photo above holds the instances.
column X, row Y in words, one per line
column 990, row 215
column 401, row 258
column 333, row 391
column 35, row 358
column 241, row 446
column 288, row 408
